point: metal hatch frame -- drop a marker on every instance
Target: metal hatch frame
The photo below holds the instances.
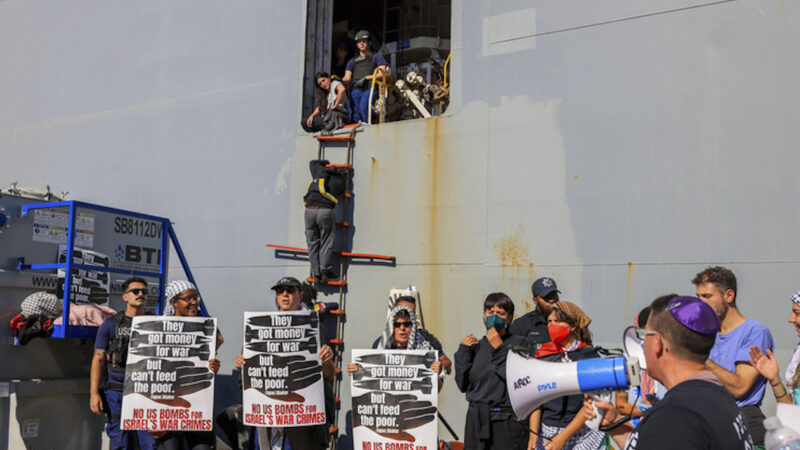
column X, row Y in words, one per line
column 65, row 330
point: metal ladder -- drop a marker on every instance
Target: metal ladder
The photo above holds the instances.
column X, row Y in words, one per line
column 346, row 136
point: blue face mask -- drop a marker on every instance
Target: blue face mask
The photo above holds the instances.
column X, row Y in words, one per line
column 496, row 322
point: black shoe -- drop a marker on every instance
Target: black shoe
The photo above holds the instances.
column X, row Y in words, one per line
column 329, row 276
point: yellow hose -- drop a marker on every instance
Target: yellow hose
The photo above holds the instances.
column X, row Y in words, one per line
column 446, row 63
column 381, row 91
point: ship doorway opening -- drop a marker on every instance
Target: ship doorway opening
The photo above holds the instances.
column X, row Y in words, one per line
column 412, row 35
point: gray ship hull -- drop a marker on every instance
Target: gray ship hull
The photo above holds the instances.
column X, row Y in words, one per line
column 619, row 147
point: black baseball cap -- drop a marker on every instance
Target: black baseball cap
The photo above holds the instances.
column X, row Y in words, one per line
column 362, row 34
column 287, row 282
column 544, row 286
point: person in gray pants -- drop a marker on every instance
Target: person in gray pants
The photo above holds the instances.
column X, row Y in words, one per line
column 320, row 201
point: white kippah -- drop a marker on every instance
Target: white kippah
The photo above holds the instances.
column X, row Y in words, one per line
column 174, row 288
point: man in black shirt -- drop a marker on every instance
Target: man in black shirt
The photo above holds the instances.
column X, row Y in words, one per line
column 697, row 412
column 533, row 325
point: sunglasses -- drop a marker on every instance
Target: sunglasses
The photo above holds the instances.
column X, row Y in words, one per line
column 402, row 324
column 189, row 298
column 136, row 291
column 551, row 297
column 282, row 289
column 642, row 333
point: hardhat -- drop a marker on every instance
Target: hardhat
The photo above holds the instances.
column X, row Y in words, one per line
column 363, row 34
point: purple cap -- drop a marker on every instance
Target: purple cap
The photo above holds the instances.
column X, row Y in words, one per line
column 694, row 314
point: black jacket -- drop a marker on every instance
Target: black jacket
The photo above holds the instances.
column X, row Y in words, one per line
column 314, row 196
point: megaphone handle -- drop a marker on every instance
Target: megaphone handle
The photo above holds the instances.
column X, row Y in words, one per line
column 604, row 396
column 594, row 424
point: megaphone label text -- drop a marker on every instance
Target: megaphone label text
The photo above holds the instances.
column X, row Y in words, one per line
column 522, row 382
column 547, row 386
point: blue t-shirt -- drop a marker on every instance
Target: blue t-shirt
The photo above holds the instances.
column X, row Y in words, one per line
column 734, row 347
column 377, row 59
column 105, row 334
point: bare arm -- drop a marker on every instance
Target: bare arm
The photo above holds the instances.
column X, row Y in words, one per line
column 620, row 433
column 95, row 375
column 340, row 93
column 328, row 367
column 767, row 366
column 561, row 438
column 737, row 383
column 220, row 340
column 437, row 367
column 533, row 424
column 446, row 363
column 781, row 394
column 625, row 408
column 311, row 117
column 379, row 76
column 347, row 76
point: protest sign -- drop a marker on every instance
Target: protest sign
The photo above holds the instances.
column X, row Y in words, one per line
column 394, row 395
column 87, row 286
column 282, row 374
column 168, row 384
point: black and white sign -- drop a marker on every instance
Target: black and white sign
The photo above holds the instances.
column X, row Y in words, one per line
column 88, row 286
column 168, row 384
column 282, row 375
column 394, row 395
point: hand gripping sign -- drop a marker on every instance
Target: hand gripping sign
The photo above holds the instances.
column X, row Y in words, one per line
column 168, row 384
column 394, row 399
column 282, row 373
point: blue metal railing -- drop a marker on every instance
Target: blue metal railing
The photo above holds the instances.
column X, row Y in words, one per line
column 65, row 330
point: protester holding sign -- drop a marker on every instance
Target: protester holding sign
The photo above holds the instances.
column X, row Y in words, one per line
column 401, row 332
column 169, row 378
column 287, row 352
column 183, row 300
column 394, row 404
column 481, row 374
column 111, row 354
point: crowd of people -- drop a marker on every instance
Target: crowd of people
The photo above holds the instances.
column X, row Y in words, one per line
column 707, row 368
column 333, row 106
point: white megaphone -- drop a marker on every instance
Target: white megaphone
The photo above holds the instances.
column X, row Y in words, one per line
column 531, row 382
column 633, row 346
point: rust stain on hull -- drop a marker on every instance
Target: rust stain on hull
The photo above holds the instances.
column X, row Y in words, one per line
column 512, row 252
column 434, row 276
column 373, row 168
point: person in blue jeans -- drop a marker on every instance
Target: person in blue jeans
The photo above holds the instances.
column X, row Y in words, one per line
column 359, row 74
column 110, row 355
